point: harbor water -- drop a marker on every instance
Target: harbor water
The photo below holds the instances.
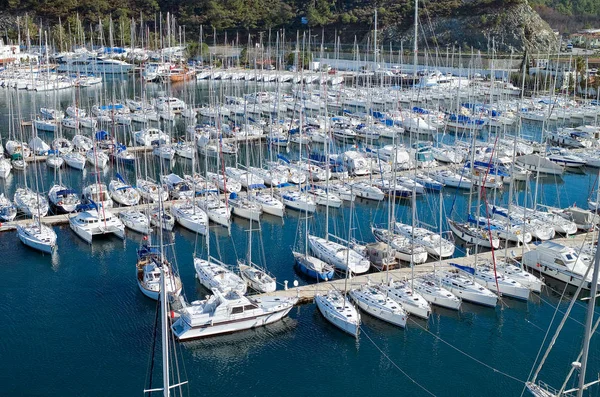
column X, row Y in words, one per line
column 76, row 323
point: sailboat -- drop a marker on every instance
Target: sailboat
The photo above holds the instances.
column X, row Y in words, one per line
column 122, row 192
column 378, row 304
column 484, row 274
column 163, row 295
column 339, row 311
column 256, row 278
column 309, row 265
column 38, row 236
column 466, row 289
column 8, row 211
column 135, row 220
column 63, row 199
column 153, row 270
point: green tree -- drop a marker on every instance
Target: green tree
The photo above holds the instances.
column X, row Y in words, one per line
column 194, row 51
column 579, row 70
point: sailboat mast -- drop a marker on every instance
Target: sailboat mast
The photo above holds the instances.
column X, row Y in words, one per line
column 588, row 324
column 415, row 46
column 441, row 231
column 164, row 329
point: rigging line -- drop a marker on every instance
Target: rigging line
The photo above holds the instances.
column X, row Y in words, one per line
column 394, row 363
column 467, row 354
column 176, row 371
column 545, row 337
column 561, row 312
column 152, row 352
column 560, row 325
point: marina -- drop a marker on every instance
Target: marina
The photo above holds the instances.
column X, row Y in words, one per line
column 261, row 228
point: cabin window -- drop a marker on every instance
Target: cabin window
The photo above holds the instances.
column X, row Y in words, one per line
column 237, row 310
column 249, row 307
column 559, row 262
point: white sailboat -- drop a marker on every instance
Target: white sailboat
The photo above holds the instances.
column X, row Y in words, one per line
column 31, row 203
column 8, row 211
column 38, row 236
column 160, row 218
column 213, row 273
column 75, row 160
column 257, row 278
column 217, row 211
column 429, row 288
column 520, row 275
column 151, row 191
column 403, row 293
column 466, row 289
column 338, row 310
column 244, row 207
column 269, row 204
column 122, row 192
column 378, row 304
column 135, row 220
column 338, row 255
column 5, row 168
column 404, row 247
column 190, row 216
column 98, row 194
column 299, row 201
column 434, row 243
column 485, row 275
column 154, row 271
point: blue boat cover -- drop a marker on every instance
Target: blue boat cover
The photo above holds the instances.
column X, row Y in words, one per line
column 467, row 269
column 101, row 135
column 283, row 158
column 257, row 186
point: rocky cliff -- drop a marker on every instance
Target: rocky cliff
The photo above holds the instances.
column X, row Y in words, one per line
column 507, row 25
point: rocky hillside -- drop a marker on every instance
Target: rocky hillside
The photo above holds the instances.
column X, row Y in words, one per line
column 507, row 25
column 511, row 24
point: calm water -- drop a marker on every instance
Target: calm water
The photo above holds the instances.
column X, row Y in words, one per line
column 75, row 323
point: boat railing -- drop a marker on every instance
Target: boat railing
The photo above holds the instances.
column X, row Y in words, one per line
column 546, row 387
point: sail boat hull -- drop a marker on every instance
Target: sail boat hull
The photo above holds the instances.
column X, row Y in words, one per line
column 270, row 205
column 463, row 233
column 37, row 238
column 436, row 295
column 341, row 322
column 363, row 301
column 310, row 266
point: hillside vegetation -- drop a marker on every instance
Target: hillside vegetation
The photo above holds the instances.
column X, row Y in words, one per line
column 348, row 17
